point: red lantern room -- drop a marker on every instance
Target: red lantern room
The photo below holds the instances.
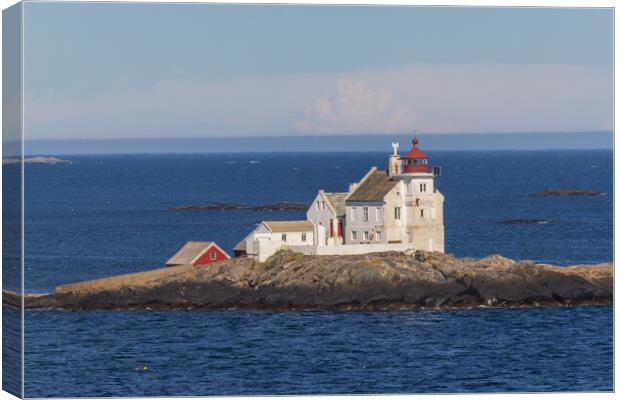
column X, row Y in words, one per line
column 415, row 160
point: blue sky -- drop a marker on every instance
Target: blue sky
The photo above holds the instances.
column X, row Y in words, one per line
column 165, row 70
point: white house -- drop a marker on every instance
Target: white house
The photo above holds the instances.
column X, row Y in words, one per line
column 396, row 209
column 271, row 236
column 326, row 213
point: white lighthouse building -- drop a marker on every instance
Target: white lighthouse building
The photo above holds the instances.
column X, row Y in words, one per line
column 397, row 206
column 397, row 209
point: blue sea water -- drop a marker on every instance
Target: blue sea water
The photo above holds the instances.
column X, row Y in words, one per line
column 106, row 215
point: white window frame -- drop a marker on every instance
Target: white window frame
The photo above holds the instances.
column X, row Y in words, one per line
column 303, row 236
column 366, row 214
column 284, row 237
column 213, row 255
column 353, row 210
column 397, row 213
column 366, row 236
column 353, row 235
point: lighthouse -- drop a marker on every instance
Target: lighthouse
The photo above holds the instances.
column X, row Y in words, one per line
column 415, row 160
column 420, row 221
column 398, row 209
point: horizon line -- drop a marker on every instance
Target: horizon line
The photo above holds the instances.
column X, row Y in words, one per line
column 302, row 135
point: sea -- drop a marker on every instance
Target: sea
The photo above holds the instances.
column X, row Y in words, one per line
column 104, row 215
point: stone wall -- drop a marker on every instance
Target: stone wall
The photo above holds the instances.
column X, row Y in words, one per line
column 349, row 249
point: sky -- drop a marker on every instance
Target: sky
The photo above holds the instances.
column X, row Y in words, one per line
column 106, row 70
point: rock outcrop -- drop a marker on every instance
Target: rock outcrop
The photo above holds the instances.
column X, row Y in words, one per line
column 35, row 160
column 523, row 221
column 566, row 192
column 281, row 206
column 371, row 281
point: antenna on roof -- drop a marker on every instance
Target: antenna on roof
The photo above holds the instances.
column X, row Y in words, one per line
column 395, row 148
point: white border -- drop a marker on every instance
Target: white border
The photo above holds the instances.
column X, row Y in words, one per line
column 477, row 3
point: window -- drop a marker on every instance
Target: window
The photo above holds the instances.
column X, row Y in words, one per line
column 318, row 205
column 353, row 235
column 322, row 205
column 303, row 236
column 365, row 214
column 379, row 214
column 284, row 237
column 213, row 255
column 366, row 237
column 378, row 236
column 396, row 212
column 422, row 187
column 353, row 210
column 422, row 213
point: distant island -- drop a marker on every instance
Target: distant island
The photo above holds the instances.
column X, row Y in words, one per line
column 280, row 206
column 288, row 280
column 523, row 221
column 566, row 192
column 35, row 160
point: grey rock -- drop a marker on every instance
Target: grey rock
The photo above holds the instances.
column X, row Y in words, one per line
column 372, row 281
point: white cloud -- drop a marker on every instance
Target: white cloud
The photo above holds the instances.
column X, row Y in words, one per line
column 355, row 108
column 428, row 98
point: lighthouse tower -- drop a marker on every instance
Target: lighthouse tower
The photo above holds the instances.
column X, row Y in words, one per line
column 421, row 222
column 415, row 160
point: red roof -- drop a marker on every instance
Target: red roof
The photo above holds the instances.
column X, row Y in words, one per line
column 415, row 152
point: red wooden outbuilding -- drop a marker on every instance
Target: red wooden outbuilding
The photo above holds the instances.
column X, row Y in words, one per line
column 198, row 253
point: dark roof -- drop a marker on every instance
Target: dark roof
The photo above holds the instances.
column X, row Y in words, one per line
column 374, row 188
column 337, row 199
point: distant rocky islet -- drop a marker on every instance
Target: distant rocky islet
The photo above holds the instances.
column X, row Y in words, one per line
column 280, row 206
column 35, row 160
column 554, row 192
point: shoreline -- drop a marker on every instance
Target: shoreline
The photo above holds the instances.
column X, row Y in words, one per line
column 392, row 307
column 377, row 281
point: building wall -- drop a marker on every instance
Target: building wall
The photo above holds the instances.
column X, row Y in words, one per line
column 262, row 243
column 355, row 222
column 428, row 230
column 421, row 214
column 349, row 249
column 320, row 214
column 395, row 227
column 206, row 257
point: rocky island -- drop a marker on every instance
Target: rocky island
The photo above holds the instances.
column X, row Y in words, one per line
column 280, row 206
column 523, row 221
column 566, row 192
column 388, row 280
column 35, row 160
